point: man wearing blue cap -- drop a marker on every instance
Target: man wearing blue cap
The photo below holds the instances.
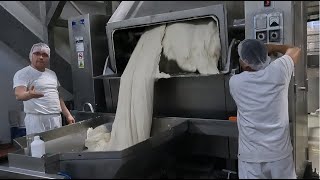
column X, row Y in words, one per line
column 261, row 96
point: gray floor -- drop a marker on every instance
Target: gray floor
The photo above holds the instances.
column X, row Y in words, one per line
column 314, row 140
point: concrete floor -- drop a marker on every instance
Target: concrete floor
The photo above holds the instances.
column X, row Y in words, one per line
column 314, row 140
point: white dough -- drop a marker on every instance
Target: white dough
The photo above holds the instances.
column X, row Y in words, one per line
column 160, row 75
column 193, row 46
column 133, row 119
column 97, row 138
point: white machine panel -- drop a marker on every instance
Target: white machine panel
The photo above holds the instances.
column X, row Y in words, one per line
column 268, row 27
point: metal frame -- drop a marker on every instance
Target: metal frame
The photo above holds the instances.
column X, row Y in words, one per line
column 217, row 11
column 167, row 134
column 54, row 12
column 85, row 87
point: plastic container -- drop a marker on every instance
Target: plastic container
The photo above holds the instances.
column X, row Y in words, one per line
column 37, row 147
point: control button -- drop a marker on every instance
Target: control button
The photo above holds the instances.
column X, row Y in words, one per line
column 261, row 22
column 262, row 36
column 274, row 21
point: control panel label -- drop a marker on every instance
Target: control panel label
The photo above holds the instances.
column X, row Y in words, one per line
column 80, row 60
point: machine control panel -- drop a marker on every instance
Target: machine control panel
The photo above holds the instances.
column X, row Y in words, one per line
column 268, row 27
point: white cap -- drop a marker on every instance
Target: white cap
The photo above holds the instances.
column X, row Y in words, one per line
column 39, row 47
column 254, row 53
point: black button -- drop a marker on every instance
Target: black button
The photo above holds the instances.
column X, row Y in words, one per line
column 274, row 24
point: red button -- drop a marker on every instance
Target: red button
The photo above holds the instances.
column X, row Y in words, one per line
column 267, row 3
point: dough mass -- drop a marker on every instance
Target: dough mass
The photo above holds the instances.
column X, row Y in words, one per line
column 195, row 47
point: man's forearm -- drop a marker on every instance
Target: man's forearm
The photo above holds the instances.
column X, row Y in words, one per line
column 23, row 96
column 282, row 48
column 65, row 110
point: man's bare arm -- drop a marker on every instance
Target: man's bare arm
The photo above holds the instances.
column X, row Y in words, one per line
column 22, row 94
column 274, row 48
column 293, row 52
column 66, row 112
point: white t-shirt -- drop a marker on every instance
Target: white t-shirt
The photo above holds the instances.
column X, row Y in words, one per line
column 45, row 82
column 263, row 119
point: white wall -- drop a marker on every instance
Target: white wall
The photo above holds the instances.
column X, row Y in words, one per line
column 10, row 62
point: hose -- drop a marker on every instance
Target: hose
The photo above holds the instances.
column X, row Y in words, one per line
column 227, row 66
column 65, row 175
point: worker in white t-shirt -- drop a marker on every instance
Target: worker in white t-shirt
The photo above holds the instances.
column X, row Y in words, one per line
column 37, row 87
column 261, row 96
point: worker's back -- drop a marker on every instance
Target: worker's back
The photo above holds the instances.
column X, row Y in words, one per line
column 263, row 120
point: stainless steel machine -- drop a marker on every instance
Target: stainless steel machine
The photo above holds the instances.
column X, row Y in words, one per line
column 191, row 135
column 88, row 43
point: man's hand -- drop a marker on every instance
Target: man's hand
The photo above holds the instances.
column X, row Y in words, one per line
column 34, row 94
column 294, row 53
column 23, row 95
column 70, row 120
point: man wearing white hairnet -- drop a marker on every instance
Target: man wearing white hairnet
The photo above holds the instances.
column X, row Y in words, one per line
column 37, row 87
column 261, row 96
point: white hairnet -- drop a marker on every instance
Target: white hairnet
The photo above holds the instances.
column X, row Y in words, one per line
column 39, row 47
column 254, row 53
